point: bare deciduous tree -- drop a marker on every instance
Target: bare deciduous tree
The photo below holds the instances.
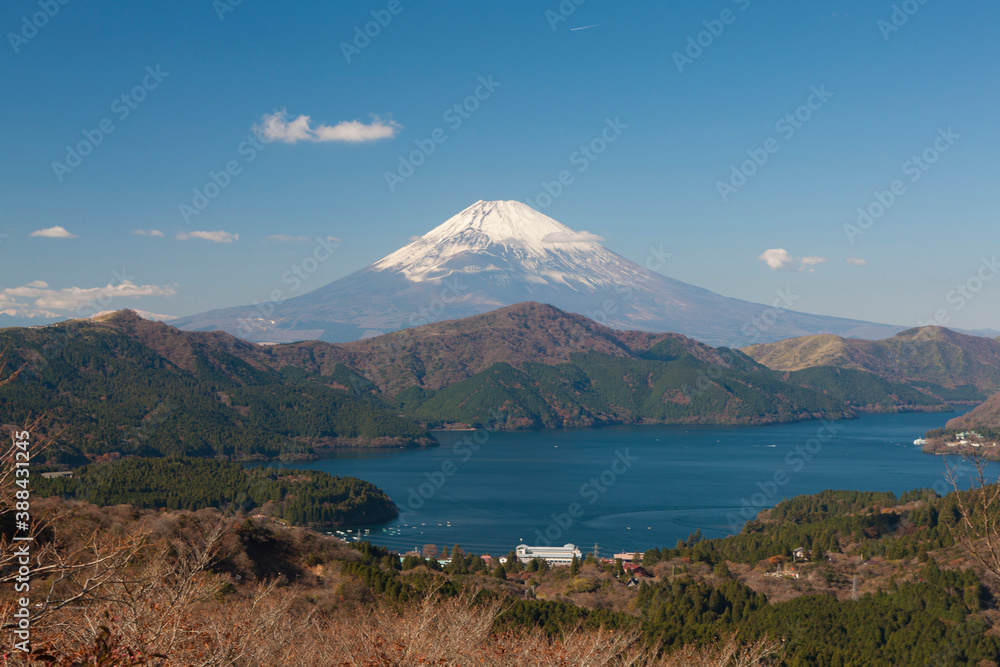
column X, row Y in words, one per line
column 978, row 526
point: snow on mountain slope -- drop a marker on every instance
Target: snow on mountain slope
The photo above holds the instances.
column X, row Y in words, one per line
column 498, row 253
column 518, row 244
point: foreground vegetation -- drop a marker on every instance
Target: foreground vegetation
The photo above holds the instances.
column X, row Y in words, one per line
column 217, row 587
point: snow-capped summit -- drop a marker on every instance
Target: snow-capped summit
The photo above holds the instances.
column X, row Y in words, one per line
column 514, row 243
column 499, row 222
column 498, row 253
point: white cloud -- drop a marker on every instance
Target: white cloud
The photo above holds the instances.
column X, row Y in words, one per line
column 779, row 259
column 148, row 232
column 277, row 127
column 857, row 261
column 219, row 236
column 38, row 299
column 57, row 232
column 571, row 237
column 414, row 239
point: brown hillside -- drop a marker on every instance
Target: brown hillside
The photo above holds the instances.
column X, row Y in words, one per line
column 439, row 354
column 928, row 354
column 986, row 413
column 181, row 348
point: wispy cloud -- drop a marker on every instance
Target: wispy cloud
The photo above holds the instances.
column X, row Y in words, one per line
column 57, row 232
column 219, row 236
column 277, row 127
column 148, row 232
column 571, row 237
column 779, row 259
column 857, row 261
column 38, row 299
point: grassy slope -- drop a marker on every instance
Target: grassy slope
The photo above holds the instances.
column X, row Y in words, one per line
column 932, row 358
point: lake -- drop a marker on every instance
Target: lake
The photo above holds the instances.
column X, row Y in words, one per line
column 628, row 488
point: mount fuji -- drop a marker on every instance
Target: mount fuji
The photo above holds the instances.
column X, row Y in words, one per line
column 498, row 253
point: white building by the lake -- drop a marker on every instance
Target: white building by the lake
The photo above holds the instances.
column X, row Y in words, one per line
column 553, row 555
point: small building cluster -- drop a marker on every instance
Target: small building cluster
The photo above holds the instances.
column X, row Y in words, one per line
column 970, row 438
column 552, row 555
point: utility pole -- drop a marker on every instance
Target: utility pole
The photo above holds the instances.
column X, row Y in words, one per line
column 854, row 588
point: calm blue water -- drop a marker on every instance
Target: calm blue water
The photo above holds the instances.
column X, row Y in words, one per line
column 667, row 481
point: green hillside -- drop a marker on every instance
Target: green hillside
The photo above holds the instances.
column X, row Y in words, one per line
column 302, row 498
column 595, row 389
column 104, row 392
column 121, row 385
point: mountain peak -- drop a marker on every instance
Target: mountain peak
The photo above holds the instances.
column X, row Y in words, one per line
column 499, row 253
column 505, row 222
column 930, row 332
column 503, row 235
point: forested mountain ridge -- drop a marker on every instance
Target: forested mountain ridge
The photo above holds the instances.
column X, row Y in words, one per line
column 542, row 367
column 532, row 365
column 123, row 385
column 106, row 391
column 437, row 355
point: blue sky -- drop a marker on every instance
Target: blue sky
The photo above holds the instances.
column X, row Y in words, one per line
column 209, row 73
